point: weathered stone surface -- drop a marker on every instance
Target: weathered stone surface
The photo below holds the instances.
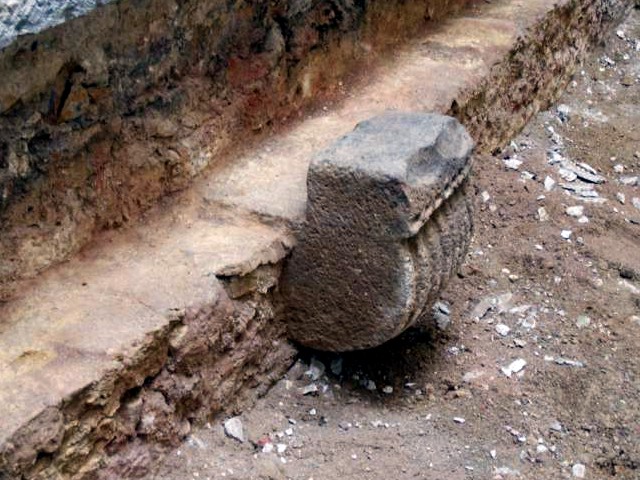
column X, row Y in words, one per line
column 106, row 361
column 386, row 225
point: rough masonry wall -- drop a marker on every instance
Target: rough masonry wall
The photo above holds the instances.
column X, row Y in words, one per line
column 104, row 114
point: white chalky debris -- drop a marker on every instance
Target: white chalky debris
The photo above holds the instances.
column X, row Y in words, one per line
column 459, row 420
column 563, row 112
column 566, row 234
column 567, row 175
column 502, row 329
column 233, row 428
column 568, row 362
column 506, row 472
column 579, row 470
column 629, row 181
column 543, row 216
column 472, row 375
column 514, row 367
column 621, row 197
column 485, row 196
column 540, row 449
column 549, row 183
column 309, row 389
column 513, row 163
column 575, row 211
column 556, row 426
column 442, row 315
column 629, row 286
column 583, row 321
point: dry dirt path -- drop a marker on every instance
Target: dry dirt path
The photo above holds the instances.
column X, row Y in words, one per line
column 550, row 290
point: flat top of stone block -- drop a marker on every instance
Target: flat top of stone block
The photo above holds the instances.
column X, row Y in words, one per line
column 20, row 17
column 410, row 147
column 93, row 314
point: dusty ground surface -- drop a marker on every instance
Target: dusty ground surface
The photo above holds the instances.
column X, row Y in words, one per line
column 435, row 404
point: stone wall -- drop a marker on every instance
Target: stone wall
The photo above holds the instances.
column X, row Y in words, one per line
column 104, row 114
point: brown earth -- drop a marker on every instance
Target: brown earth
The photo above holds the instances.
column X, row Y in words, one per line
column 572, row 307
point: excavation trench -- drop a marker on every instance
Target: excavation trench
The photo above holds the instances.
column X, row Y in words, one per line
column 108, row 359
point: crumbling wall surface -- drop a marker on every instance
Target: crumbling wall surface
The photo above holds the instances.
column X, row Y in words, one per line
column 212, row 357
column 536, row 71
column 102, row 115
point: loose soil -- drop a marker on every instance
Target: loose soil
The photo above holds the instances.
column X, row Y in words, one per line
column 572, row 307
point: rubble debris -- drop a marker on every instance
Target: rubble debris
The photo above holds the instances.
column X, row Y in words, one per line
column 579, row 470
column 310, row 389
column 502, row 329
column 514, row 367
column 315, row 371
column 629, row 181
column 543, row 216
column 234, row 428
column 512, row 163
column 583, row 321
column 442, row 315
column 568, row 362
column 549, row 183
column 575, row 211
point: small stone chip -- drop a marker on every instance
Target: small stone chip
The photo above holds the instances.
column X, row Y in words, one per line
column 502, row 329
column 514, row 367
column 579, row 470
column 233, row 428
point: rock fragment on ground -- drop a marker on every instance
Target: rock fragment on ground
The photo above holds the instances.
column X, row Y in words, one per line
column 234, row 428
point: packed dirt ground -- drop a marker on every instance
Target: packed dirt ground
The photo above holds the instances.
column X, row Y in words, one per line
column 537, row 376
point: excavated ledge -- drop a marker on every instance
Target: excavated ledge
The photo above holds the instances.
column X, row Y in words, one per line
column 107, row 360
